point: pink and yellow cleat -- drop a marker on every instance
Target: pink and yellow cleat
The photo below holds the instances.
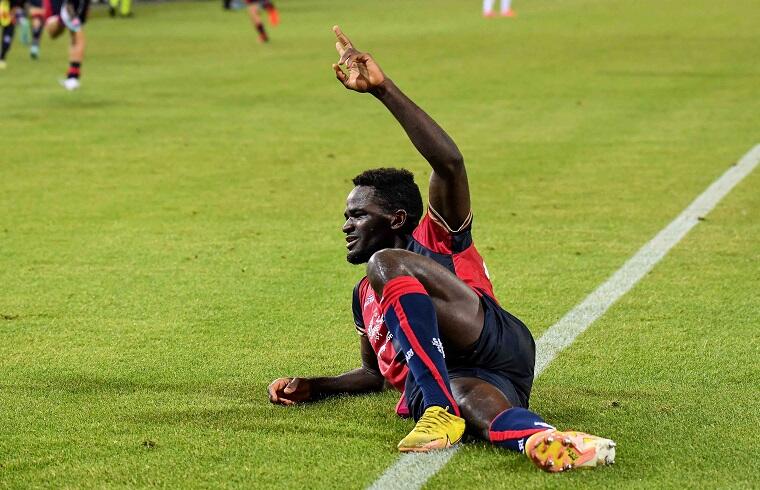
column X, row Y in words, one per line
column 555, row 451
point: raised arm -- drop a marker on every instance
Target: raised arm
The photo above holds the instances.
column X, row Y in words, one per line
column 366, row 379
column 449, row 192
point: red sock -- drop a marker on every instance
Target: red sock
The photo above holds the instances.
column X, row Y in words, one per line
column 74, row 69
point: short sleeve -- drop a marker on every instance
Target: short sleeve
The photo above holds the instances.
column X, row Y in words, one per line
column 434, row 234
column 356, row 306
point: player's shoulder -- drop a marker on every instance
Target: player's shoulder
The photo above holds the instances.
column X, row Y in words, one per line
column 361, row 288
column 364, row 295
column 361, row 284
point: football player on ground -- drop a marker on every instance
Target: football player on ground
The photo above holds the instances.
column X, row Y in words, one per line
column 69, row 15
column 428, row 320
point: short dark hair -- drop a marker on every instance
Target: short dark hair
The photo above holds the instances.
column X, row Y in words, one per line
column 395, row 189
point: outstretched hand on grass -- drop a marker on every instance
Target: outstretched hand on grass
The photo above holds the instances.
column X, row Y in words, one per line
column 289, row 391
column 362, row 73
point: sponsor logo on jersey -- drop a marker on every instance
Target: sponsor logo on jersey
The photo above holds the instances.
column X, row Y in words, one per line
column 373, row 331
column 369, row 299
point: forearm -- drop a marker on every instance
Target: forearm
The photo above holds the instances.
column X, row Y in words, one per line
column 359, row 380
column 427, row 136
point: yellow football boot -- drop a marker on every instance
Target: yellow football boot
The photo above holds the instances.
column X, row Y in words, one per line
column 554, row 451
column 436, row 429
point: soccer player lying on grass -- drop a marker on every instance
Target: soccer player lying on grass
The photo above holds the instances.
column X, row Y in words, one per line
column 426, row 312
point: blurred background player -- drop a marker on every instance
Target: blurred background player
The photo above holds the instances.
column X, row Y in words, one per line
column 37, row 16
column 9, row 13
column 123, row 7
column 506, row 8
column 231, row 4
column 8, row 29
column 254, row 11
column 69, row 15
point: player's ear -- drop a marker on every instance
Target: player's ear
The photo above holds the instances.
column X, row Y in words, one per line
column 398, row 219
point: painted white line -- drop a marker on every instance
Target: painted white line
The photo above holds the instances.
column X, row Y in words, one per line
column 562, row 333
column 411, row 471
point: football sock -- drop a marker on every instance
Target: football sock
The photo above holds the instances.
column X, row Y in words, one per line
column 37, row 31
column 488, row 6
column 74, row 69
column 512, row 427
column 7, row 40
column 274, row 16
column 506, row 5
column 262, row 32
column 410, row 317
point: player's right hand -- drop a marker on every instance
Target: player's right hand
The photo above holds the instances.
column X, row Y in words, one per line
column 289, row 391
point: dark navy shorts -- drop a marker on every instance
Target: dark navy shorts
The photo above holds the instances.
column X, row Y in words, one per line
column 504, row 356
column 81, row 7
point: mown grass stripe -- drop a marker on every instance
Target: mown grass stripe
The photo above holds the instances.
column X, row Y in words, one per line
column 562, row 333
column 411, row 471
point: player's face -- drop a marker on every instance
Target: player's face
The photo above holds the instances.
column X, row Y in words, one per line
column 367, row 226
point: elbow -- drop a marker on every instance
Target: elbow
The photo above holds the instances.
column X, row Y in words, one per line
column 376, row 380
column 452, row 166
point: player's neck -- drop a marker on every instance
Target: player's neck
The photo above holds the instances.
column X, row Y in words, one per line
column 402, row 241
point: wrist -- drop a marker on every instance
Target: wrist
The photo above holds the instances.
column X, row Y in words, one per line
column 382, row 89
column 318, row 388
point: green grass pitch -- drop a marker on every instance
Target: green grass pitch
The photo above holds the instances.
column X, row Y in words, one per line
column 170, row 237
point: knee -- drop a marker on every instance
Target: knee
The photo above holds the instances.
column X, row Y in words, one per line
column 385, row 265
column 480, row 403
column 54, row 28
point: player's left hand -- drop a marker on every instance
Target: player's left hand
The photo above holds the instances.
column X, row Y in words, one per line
column 362, row 72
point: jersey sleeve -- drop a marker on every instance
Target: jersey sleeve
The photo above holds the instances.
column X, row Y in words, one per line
column 357, row 309
column 453, row 249
column 435, row 234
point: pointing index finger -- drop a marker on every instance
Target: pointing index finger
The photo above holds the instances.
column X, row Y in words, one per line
column 342, row 38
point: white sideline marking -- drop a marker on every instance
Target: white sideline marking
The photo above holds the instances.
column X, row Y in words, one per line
column 412, row 470
column 562, row 333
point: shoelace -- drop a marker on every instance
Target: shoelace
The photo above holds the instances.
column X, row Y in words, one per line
column 429, row 421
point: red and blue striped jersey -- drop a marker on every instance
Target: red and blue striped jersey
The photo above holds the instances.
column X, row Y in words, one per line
column 432, row 238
